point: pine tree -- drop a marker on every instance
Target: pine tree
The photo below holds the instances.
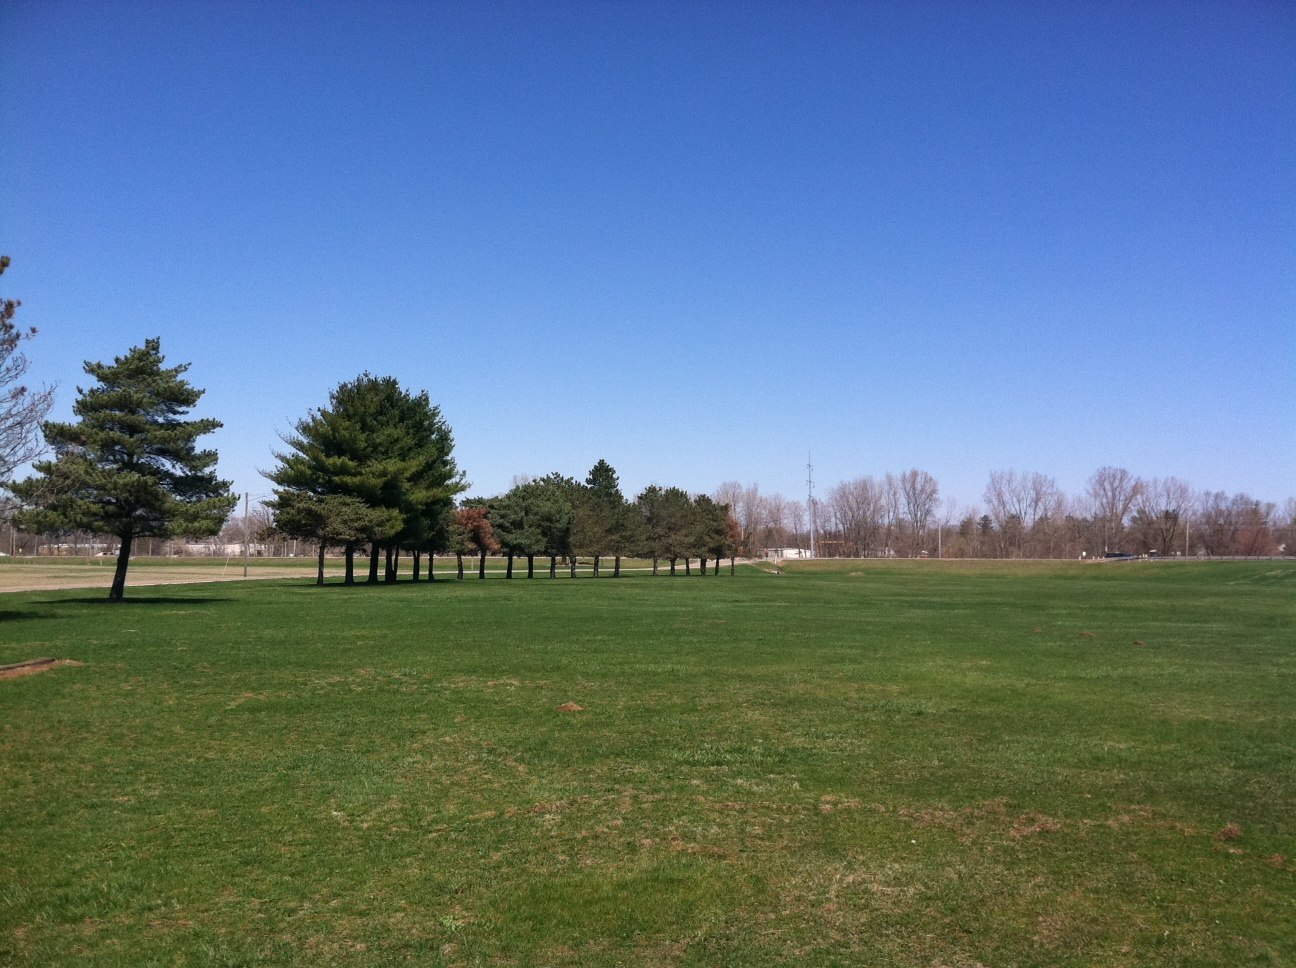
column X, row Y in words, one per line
column 385, row 447
column 600, row 523
column 129, row 466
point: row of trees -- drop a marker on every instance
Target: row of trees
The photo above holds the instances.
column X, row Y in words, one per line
column 1022, row 515
column 374, row 469
column 560, row 518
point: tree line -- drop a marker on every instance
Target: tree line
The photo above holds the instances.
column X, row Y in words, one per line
column 373, row 471
column 1021, row 515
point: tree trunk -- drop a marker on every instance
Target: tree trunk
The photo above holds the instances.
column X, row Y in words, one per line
column 459, row 563
column 431, row 566
column 508, row 569
column 732, row 565
column 319, row 577
column 616, row 566
column 702, row 571
column 393, row 562
column 716, row 569
column 553, row 566
column 481, row 565
column 530, row 566
column 688, row 566
column 596, row 564
column 654, row 566
column 374, row 552
column 118, row 589
column 672, row 564
column 418, row 556
column 350, row 565
column 572, row 564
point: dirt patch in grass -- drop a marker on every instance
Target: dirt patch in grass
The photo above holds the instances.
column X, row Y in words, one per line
column 45, row 576
column 33, row 666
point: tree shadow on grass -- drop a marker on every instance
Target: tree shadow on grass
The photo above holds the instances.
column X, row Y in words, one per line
column 18, row 615
column 136, row 600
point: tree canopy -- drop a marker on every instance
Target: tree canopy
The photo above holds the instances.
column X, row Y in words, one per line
column 383, row 446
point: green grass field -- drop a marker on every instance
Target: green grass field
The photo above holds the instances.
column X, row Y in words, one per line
column 908, row 763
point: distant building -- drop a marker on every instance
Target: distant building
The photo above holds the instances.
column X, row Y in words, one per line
column 785, row 553
column 219, row 549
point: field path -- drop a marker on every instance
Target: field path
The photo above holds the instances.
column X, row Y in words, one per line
column 51, row 577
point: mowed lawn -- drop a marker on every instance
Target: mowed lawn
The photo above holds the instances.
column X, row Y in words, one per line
column 906, row 763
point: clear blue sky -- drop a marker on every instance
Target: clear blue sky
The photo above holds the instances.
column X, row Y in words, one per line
column 696, row 239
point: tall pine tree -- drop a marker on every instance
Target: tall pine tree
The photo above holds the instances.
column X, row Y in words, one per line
column 130, row 465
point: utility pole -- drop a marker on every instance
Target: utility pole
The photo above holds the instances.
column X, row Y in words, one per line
column 245, row 533
column 810, row 500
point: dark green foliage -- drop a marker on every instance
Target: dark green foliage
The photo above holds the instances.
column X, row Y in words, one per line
column 534, row 518
column 602, row 522
column 710, row 529
column 129, row 466
column 667, row 521
column 331, row 520
column 385, row 447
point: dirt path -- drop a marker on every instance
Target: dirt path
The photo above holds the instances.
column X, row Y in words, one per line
column 51, row 577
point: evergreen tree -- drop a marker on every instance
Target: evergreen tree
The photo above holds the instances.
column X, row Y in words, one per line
column 678, row 528
column 600, row 520
column 129, row 466
column 559, row 497
column 533, row 518
column 653, row 524
column 384, row 446
column 710, row 529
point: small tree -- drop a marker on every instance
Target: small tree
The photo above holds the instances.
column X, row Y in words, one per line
column 129, row 466
column 473, row 533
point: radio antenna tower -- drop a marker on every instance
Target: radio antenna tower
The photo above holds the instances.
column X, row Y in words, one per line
column 810, row 500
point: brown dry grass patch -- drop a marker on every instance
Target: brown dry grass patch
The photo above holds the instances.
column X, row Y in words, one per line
column 33, row 666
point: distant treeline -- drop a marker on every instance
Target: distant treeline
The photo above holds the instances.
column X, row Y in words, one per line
column 1022, row 515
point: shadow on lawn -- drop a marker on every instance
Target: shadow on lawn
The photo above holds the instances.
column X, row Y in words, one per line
column 17, row 615
column 130, row 600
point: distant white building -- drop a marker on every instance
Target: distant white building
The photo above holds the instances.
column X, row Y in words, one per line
column 220, row 549
column 780, row 553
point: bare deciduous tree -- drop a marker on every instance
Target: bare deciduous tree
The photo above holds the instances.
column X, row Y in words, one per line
column 1113, row 490
column 1021, row 506
column 21, row 408
column 921, row 494
column 1160, row 514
